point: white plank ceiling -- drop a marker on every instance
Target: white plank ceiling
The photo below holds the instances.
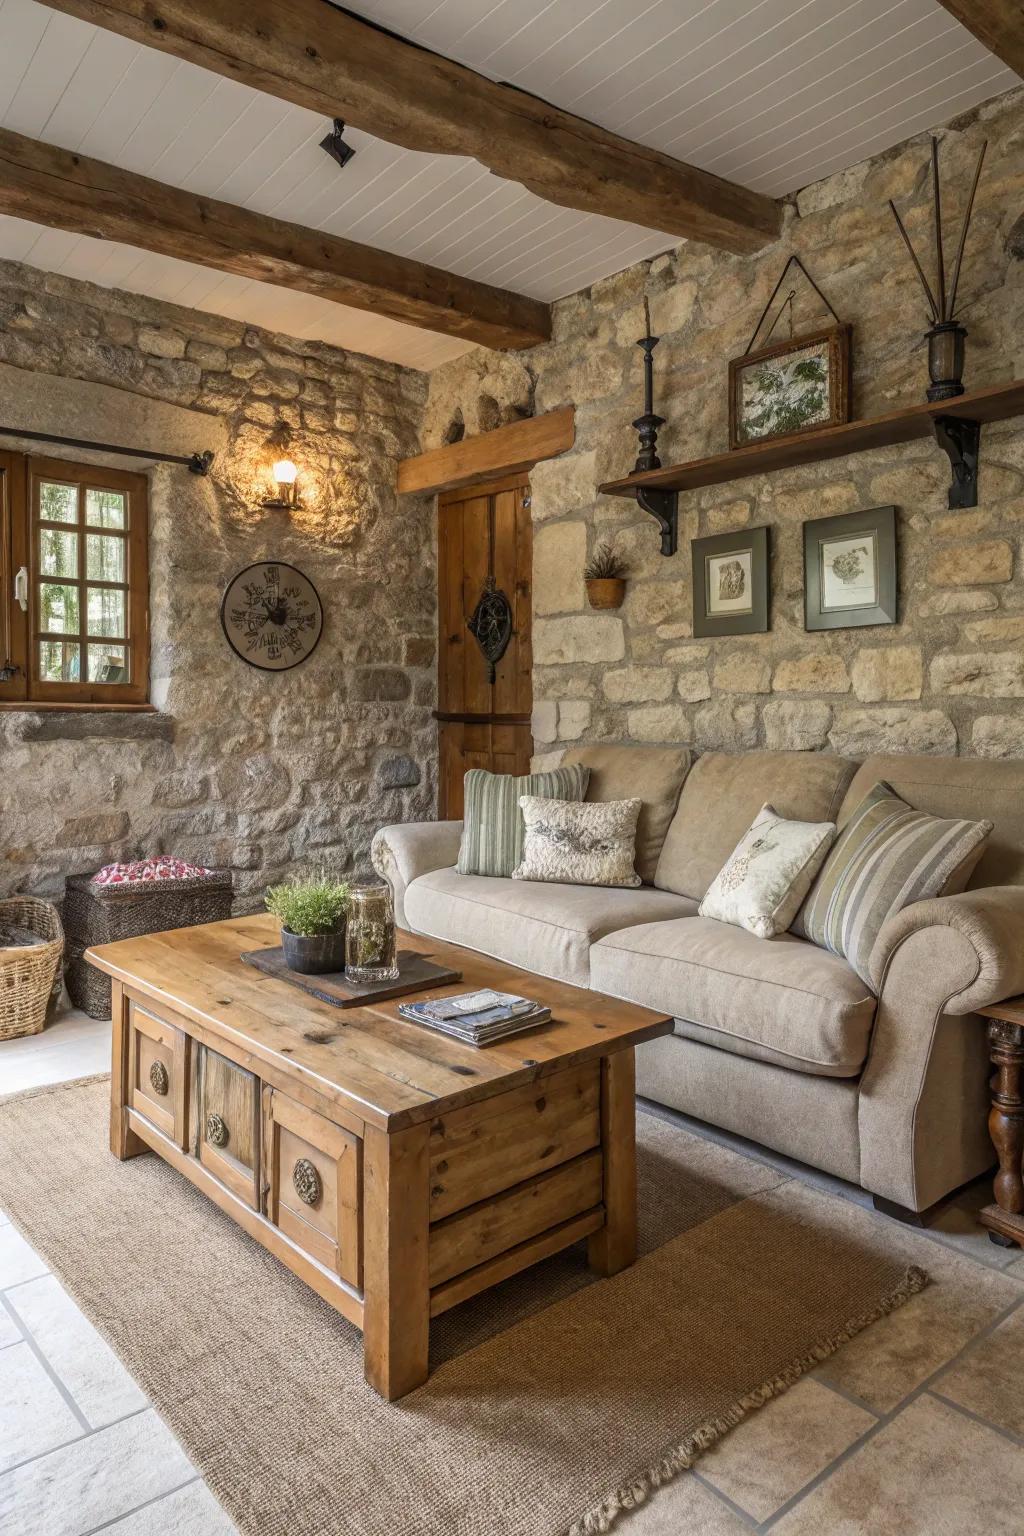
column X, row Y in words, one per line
column 774, row 94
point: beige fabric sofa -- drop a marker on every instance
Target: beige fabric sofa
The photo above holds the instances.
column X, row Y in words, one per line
column 775, row 1039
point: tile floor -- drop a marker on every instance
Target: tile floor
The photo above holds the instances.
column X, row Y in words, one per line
column 915, row 1429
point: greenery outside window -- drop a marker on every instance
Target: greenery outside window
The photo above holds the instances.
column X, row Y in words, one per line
column 74, row 615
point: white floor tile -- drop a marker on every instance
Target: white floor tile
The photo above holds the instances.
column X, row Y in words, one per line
column 18, row 1261
column 4, row 1218
column 192, row 1511
column 93, row 1481
column 72, row 1045
column 33, row 1415
column 88, row 1368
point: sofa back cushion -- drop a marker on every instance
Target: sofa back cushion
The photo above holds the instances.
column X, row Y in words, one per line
column 492, row 827
column 722, row 795
column 655, row 775
column 975, row 789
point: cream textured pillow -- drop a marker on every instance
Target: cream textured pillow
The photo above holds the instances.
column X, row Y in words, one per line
column 768, row 873
column 579, row 844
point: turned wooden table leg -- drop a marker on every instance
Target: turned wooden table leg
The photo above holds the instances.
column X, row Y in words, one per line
column 1005, row 1219
column 613, row 1246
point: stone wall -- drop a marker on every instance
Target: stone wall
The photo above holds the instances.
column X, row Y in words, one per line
column 263, row 772
column 950, row 676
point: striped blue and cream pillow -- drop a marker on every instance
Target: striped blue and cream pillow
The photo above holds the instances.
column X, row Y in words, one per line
column 886, row 857
column 493, row 828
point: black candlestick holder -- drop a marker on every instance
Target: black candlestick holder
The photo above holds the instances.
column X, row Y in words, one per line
column 662, row 505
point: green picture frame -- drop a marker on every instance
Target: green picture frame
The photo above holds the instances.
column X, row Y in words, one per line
column 851, row 578
column 730, row 583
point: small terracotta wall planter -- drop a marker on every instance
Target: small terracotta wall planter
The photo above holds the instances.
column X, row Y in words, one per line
column 606, row 591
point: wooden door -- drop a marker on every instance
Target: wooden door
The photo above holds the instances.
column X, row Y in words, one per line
column 484, row 532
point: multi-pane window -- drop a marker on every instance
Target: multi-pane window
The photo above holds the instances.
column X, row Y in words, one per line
column 73, row 617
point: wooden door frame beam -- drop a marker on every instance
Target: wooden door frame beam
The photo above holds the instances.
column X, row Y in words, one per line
column 999, row 24
column 489, row 455
column 64, row 190
column 313, row 54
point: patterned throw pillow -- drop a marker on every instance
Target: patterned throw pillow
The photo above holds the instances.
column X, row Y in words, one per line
column 768, row 873
column 579, row 844
column 492, row 833
column 886, row 857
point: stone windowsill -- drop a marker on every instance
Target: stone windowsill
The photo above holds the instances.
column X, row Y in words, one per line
column 81, row 722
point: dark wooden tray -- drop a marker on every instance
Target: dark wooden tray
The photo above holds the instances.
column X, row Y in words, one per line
column 416, row 974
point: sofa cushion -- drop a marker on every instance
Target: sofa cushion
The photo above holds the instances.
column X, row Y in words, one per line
column 722, row 795
column 973, row 787
column 655, row 774
column 780, row 1000
column 544, row 928
column 492, row 828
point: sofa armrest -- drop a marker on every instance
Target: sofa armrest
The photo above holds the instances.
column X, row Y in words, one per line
column 923, row 1102
column 400, row 854
column 990, row 921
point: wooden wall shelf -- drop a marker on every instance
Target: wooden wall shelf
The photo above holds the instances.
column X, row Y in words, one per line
column 956, row 425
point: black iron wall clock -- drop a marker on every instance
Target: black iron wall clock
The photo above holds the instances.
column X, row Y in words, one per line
column 272, row 616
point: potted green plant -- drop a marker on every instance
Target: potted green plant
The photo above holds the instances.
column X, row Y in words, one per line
column 605, row 576
column 312, row 914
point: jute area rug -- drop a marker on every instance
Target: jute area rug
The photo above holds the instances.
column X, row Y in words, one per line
column 557, row 1401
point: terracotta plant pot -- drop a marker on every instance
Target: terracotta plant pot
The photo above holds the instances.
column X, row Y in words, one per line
column 606, row 591
column 316, row 954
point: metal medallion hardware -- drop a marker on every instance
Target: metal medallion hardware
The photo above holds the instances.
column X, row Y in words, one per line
column 158, row 1078
column 216, row 1131
column 491, row 625
column 307, row 1182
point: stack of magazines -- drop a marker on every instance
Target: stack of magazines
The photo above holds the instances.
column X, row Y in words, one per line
column 478, row 1018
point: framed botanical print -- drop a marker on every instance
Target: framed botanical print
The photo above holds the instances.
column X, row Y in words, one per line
column 730, row 583
column 795, row 386
column 850, row 570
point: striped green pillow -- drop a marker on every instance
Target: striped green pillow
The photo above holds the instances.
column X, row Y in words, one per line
column 886, row 857
column 493, row 830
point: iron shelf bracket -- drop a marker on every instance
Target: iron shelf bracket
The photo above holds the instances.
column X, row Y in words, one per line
column 664, row 508
column 960, row 440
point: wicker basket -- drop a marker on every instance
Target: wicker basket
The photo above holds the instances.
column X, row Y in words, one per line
column 28, row 973
column 101, row 914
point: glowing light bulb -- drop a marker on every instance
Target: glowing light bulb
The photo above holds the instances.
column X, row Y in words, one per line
column 285, row 472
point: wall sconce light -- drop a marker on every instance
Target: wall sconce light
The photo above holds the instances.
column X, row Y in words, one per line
column 284, row 471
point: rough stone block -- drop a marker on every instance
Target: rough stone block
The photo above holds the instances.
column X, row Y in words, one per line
column 659, row 722
column 559, row 554
column 816, row 673
column 859, row 732
column 384, row 684
column 972, row 565
column 742, row 672
column 161, row 343
column 726, row 725
column 998, row 736
column 888, row 673
column 398, row 772
column 637, row 685
column 693, row 685
column 573, row 719
column 796, row 725
column 595, row 637
column 544, row 720
column 984, row 674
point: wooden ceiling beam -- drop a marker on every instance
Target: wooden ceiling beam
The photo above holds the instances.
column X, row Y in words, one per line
column 317, row 56
column 65, row 190
column 999, row 24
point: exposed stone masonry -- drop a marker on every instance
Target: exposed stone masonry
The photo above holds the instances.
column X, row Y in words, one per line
column 950, row 675
column 262, row 772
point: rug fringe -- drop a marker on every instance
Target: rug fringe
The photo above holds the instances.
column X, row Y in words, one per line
column 680, row 1457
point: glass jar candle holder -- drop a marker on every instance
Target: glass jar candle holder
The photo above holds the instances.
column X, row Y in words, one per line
column 370, row 935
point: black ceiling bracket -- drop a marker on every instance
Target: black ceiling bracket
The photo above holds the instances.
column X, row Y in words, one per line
column 960, row 439
column 199, row 463
column 664, row 508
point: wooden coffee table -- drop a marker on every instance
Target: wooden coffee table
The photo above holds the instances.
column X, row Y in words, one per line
column 395, row 1171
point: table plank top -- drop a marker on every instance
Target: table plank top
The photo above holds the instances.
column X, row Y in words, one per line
column 390, row 1072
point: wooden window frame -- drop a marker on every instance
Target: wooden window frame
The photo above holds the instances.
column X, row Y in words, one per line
column 20, row 634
